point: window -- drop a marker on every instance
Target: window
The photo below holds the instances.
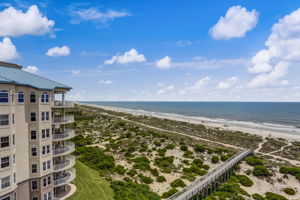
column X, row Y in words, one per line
column 6, row 198
column 4, row 142
column 33, row 151
column 46, row 165
column 45, row 116
column 5, row 182
column 33, row 117
column 46, row 181
column 13, row 139
column 14, row 158
column 46, row 149
column 13, row 118
column 5, row 162
column 15, row 178
column 4, row 120
column 33, row 135
column 45, row 133
column 34, row 185
column 35, row 198
column 21, row 97
column 34, row 168
column 45, row 98
column 3, row 96
column 47, row 196
column 32, row 97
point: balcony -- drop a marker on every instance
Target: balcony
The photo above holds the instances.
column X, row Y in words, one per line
column 62, row 194
column 68, row 176
column 63, row 120
column 59, row 150
column 67, row 164
column 68, row 134
column 63, row 104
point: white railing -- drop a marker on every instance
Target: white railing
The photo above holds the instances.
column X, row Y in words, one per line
column 63, row 104
column 68, row 148
column 68, row 176
column 68, row 134
column 63, row 120
column 67, row 164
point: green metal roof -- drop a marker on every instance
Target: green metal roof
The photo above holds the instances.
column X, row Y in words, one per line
column 20, row 77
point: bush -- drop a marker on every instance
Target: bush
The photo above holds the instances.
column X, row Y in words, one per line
column 257, row 197
column 161, row 179
column 141, row 163
column 145, row 179
column 169, row 193
column 289, row 191
column 188, row 154
column 156, row 143
column 170, row 146
column 253, row 161
column 132, row 191
column 273, row 196
column 184, row 148
column 177, row 183
column 224, row 157
column 206, row 167
column 261, row 171
column 164, row 163
column 199, row 148
column 245, row 180
column 154, row 172
column 215, row 159
column 198, row 162
column 295, row 171
column 120, row 169
column 132, row 172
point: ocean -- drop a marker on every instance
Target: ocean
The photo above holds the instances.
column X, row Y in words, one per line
column 269, row 114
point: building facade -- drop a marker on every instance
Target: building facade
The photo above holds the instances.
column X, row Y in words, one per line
column 35, row 154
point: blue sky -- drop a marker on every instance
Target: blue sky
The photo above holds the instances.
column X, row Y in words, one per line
column 174, row 50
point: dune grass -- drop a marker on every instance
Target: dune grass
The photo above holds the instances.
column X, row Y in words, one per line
column 90, row 185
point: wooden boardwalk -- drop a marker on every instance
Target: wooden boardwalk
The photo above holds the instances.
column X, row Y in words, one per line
column 208, row 183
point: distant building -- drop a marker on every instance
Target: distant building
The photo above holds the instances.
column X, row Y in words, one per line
column 36, row 161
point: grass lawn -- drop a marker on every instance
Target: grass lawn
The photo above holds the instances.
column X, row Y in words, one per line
column 90, row 185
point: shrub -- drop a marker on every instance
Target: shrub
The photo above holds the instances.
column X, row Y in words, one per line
column 164, row 163
column 206, row 167
column 141, row 163
column 295, row 171
column 177, row 183
column 184, row 148
column 289, row 191
column 188, row 154
column 156, row 143
column 120, row 169
column 198, row 162
column 132, row 172
column 261, row 171
column 170, row 146
column 169, row 193
column 199, row 148
column 245, row 180
column 215, row 159
column 145, row 179
column 127, row 179
column 161, row 152
column 253, row 161
column 154, row 172
column 257, row 197
column 273, row 196
column 160, row 179
column 186, row 162
column 224, row 157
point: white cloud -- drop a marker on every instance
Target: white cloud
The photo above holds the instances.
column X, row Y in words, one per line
column 235, row 24
column 282, row 50
column 128, row 57
column 75, row 71
column 16, row 23
column 58, row 51
column 105, row 82
column 8, row 50
column 165, row 90
column 164, row 63
column 32, row 69
column 182, row 43
column 198, row 85
column 228, row 83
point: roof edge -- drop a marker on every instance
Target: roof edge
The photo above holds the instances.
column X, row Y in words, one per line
column 12, row 65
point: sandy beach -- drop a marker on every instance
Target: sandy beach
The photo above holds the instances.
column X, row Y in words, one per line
column 274, row 131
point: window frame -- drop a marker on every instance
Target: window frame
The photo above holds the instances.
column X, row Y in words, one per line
column 31, row 99
column 6, row 96
column 4, row 120
column 6, row 163
column 33, row 116
column 32, row 184
column 21, row 99
column 3, row 142
column 8, row 182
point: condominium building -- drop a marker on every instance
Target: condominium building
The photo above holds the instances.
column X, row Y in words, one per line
column 35, row 154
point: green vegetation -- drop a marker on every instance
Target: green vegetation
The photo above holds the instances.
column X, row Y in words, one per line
column 257, row 197
column 132, row 191
column 89, row 185
column 141, row 163
column 289, row 191
column 145, row 179
column 169, row 193
column 244, row 180
column 261, row 171
column 253, row 161
column 165, row 164
column 294, row 171
column 178, row 183
column 215, row 159
column 273, row 196
column 161, row 179
column 199, row 148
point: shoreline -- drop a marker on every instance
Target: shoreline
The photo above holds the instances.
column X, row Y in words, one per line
column 255, row 129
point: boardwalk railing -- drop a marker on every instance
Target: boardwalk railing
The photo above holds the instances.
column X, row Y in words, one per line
column 206, row 181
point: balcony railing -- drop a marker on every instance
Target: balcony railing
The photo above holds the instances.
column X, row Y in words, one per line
column 63, row 104
column 68, row 134
column 67, row 164
column 68, row 148
column 68, row 176
column 63, row 120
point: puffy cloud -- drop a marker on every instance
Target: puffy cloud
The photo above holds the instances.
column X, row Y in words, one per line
column 228, row 83
column 8, row 50
column 105, row 82
column 282, row 50
column 128, row 57
column 58, row 51
column 164, row 63
column 198, row 85
column 16, row 23
column 235, row 24
column 95, row 14
column 32, row 69
column 165, row 90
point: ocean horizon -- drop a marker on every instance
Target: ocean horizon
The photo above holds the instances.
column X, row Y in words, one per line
column 276, row 114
